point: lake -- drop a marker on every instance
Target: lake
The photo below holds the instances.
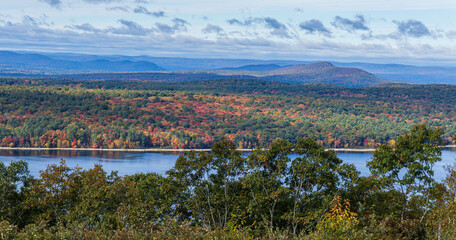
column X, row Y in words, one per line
column 127, row 163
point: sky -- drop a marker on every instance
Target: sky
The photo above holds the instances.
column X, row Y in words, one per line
column 419, row 32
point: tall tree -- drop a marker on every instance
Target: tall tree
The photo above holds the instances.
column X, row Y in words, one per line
column 406, row 167
column 211, row 181
column 266, row 178
column 313, row 177
column 13, row 178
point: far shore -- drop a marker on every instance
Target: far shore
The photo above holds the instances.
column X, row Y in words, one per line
column 174, row 150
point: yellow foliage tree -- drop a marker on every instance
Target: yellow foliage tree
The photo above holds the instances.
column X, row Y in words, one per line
column 339, row 223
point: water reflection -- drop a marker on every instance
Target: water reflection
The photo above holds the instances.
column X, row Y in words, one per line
column 127, row 163
column 75, row 153
column 122, row 162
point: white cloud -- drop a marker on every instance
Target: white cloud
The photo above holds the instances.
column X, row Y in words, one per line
column 129, row 37
column 297, row 29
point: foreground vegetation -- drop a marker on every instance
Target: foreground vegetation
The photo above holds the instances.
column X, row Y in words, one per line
column 224, row 195
column 145, row 114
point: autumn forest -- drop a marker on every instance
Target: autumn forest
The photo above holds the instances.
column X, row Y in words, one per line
column 56, row 113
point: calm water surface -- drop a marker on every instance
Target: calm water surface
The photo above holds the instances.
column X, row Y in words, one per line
column 127, row 163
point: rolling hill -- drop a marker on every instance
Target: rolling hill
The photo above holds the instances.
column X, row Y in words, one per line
column 93, row 68
column 297, row 74
column 255, row 68
column 324, row 72
column 45, row 64
column 31, row 62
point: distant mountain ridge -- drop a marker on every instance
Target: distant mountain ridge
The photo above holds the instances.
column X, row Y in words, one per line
column 46, row 63
column 303, row 68
column 254, row 67
column 357, row 73
column 308, row 73
column 324, row 72
column 121, row 69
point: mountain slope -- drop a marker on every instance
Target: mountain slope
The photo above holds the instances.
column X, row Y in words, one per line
column 36, row 61
column 303, row 68
column 314, row 73
column 21, row 63
column 255, row 68
column 122, row 68
column 324, row 72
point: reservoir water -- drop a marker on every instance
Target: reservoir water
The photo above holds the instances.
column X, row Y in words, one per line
column 127, row 163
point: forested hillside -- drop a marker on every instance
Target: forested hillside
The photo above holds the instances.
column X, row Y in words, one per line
column 251, row 113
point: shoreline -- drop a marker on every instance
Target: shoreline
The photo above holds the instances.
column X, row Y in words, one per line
column 173, row 150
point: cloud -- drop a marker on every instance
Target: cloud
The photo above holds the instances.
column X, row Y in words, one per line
column 27, row 33
column 277, row 28
column 359, row 23
column 164, row 28
column 283, row 33
column 246, row 22
column 273, row 23
column 210, row 28
column 54, row 3
column 409, row 28
column 314, row 26
column 451, row 34
column 119, row 8
column 260, row 40
column 234, row 21
column 127, row 28
column 42, row 20
column 143, row 10
column 270, row 23
column 58, row 3
column 130, row 28
column 179, row 25
column 100, row 1
column 412, row 28
column 87, row 27
column 158, row 14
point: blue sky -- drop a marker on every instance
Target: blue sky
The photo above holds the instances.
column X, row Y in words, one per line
column 413, row 32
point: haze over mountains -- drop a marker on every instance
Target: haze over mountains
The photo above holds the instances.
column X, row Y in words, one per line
column 187, row 69
column 39, row 62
